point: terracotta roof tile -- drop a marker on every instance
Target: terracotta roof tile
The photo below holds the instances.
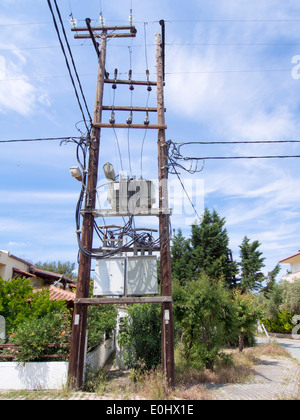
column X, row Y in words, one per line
column 60, row 294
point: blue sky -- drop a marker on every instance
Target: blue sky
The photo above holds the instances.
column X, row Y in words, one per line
column 228, row 78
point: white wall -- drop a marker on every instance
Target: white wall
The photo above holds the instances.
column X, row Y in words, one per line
column 295, row 267
column 7, row 263
column 97, row 358
column 33, row 375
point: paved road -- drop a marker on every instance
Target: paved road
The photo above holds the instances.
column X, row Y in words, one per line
column 292, row 346
column 274, row 379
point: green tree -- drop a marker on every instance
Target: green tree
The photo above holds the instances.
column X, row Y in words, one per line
column 204, row 312
column 251, row 264
column 181, row 258
column 211, row 254
column 249, row 312
column 271, row 281
column 290, row 297
column 64, row 268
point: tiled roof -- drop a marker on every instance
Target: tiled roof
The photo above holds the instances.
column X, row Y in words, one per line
column 60, row 294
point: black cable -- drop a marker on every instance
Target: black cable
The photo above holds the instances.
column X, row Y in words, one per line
column 186, row 193
column 241, row 157
column 239, row 142
column 42, row 139
column 73, row 62
column 175, row 154
column 67, row 63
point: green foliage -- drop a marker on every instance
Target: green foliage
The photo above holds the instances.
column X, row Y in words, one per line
column 251, row 265
column 290, row 296
column 181, row 258
column 141, row 337
column 33, row 335
column 65, row 268
column 14, row 306
column 248, row 312
column 206, row 252
column 18, row 303
column 211, row 253
column 282, row 303
column 282, row 323
column 101, row 321
column 204, row 313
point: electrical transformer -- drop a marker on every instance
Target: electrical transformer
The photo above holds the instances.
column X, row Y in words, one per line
column 109, row 277
column 142, row 275
column 131, row 195
column 131, row 276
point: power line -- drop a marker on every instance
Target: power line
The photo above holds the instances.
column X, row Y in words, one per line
column 171, row 21
column 72, row 59
column 175, row 155
column 185, row 191
column 67, row 62
column 37, row 140
column 237, row 142
column 232, row 21
column 241, row 157
column 230, row 71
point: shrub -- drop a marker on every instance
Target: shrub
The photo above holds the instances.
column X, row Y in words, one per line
column 282, row 323
column 18, row 303
column 34, row 335
column 204, row 312
column 141, row 337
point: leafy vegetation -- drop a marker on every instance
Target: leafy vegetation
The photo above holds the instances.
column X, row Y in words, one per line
column 65, row 268
column 140, row 337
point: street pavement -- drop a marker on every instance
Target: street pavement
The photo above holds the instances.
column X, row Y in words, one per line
column 274, row 378
column 292, row 346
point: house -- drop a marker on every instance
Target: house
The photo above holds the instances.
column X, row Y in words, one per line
column 294, row 261
column 13, row 267
column 61, row 287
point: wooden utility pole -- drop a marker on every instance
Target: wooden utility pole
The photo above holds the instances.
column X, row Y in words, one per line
column 78, row 343
column 82, row 301
column 164, row 225
column 76, row 364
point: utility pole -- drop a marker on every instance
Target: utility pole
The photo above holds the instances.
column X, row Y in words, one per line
column 164, row 223
column 82, row 301
column 78, row 343
column 76, row 364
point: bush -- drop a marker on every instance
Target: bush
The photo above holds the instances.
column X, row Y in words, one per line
column 205, row 314
column 141, row 337
column 18, row 303
column 34, row 335
column 282, row 323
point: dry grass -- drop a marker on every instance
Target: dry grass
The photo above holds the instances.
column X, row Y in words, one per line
column 236, row 367
column 270, row 349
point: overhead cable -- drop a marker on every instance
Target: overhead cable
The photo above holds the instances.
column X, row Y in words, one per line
column 67, row 63
column 42, row 139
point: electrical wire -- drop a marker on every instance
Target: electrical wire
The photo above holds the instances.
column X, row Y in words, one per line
column 185, row 191
column 67, row 63
column 175, row 155
column 73, row 62
column 37, row 140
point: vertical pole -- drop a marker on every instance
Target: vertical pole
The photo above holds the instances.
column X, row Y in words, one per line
column 164, row 226
column 77, row 352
